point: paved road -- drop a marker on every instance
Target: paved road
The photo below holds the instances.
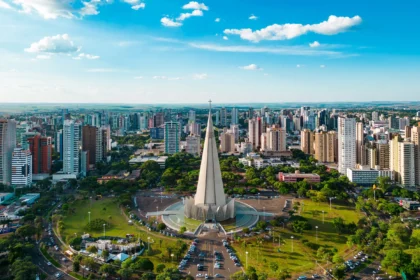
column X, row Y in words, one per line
column 208, row 243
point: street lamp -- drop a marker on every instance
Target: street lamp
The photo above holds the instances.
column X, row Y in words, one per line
column 104, row 230
column 316, row 227
column 148, row 243
column 264, row 212
column 331, row 198
column 323, row 216
column 292, row 243
column 258, row 198
column 89, row 216
column 172, row 257
column 246, row 259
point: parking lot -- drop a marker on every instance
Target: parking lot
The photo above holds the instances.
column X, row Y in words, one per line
column 203, row 259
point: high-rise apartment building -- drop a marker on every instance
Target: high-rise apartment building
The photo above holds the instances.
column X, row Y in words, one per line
column 234, row 129
column 71, row 146
column 415, row 138
column 254, row 132
column 41, row 152
column 297, row 123
column 227, row 142
column 217, row 122
column 394, row 156
column 307, row 139
column 7, row 144
column 58, row 143
column 276, row 139
column 92, row 141
column 223, row 117
column 383, row 156
column 406, row 164
column 191, row 116
column 235, row 116
column 360, row 136
column 324, row 146
column 193, row 144
column 172, row 136
column 159, row 119
column 375, row 116
column 21, row 167
column 346, row 144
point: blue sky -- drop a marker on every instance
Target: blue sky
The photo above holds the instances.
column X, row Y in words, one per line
column 171, row 51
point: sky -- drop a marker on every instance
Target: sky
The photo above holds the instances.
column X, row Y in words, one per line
column 233, row 51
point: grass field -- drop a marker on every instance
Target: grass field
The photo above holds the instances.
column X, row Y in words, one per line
column 262, row 252
column 107, row 209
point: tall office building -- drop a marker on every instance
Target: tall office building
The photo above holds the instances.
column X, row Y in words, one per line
column 406, row 164
column 360, row 136
column 276, row 139
column 307, row 139
column 92, row 141
column 234, row 128
column 375, row 116
column 193, row 144
column 217, row 122
column 71, row 147
column 7, row 144
column 41, row 152
column 58, row 143
column 159, row 119
column 324, row 146
column 235, row 116
column 191, row 116
column 24, row 138
column 172, row 136
column 393, row 122
column 383, row 156
column 297, row 123
column 21, row 167
column 227, row 142
column 346, row 144
column 223, row 117
column 415, row 138
column 254, row 132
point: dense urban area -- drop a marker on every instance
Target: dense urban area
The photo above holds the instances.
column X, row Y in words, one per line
column 309, row 192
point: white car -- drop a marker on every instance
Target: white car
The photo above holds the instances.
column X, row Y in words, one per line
column 48, row 263
column 199, row 275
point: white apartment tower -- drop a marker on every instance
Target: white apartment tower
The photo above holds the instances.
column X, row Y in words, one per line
column 254, row 132
column 415, row 138
column 172, row 136
column 193, row 144
column 406, row 164
column 276, row 139
column 7, row 144
column 21, row 167
column 235, row 116
column 359, row 141
column 346, row 144
column 191, row 116
column 71, row 146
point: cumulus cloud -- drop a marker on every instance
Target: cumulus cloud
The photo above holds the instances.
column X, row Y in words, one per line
column 298, row 66
column 193, row 5
column 61, row 44
column 315, row 44
column 251, row 67
column 160, row 77
column 169, row 22
column 43, row 56
column 217, row 20
column 225, row 38
column 139, row 6
column 332, row 26
column 46, row 8
column 195, row 13
column 102, row 70
column 90, row 8
column 202, row 76
column 253, row 17
column 4, row 5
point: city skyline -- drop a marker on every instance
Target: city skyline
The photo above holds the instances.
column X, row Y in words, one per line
column 158, row 52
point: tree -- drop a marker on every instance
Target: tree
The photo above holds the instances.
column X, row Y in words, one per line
column 148, row 276
column 105, row 254
column 339, row 225
column 246, row 230
column 160, row 268
column 283, row 274
column 26, row 231
column 161, row 226
column 76, row 266
column 339, row 272
column 23, row 269
column 106, row 269
column 92, row 249
column 125, row 273
column 182, row 230
column 338, row 259
column 142, row 264
column 395, row 260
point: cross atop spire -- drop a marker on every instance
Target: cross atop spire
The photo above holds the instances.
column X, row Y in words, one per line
column 210, row 104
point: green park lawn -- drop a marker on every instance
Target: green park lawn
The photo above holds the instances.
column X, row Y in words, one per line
column 262, row 252
column 107, row 209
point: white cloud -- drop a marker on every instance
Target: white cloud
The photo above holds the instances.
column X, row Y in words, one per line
column 43, row 56
column 298, row 66
column 322, row 66
column 167, row 78
column 87, row 56
column 195, row 13
column 283, row 50
column 251, row 67
column 160, row 77
column 225, row 38
column 174, row 79
column 138, row 78
column 217, row 20
column 202, row 76
column 54, row 44
column 169, row 22
column 90, row 8
column 4, row 5
column 253, row 17
column 332, row 26
column 315, row 44
column 132, row 2
column 195, row 6
column 139, row 6
column 48, row 9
